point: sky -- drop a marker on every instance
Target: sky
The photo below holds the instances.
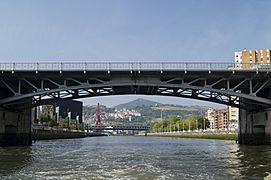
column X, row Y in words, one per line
column 132, row 30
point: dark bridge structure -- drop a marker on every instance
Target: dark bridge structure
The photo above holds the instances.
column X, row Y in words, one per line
column 26, row 85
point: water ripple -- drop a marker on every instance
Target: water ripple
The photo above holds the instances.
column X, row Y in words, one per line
column 135, row 158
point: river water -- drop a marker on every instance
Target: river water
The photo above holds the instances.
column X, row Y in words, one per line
column 128, row 157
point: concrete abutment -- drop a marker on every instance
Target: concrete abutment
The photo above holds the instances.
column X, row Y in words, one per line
column 15, row 127
column 254, row 127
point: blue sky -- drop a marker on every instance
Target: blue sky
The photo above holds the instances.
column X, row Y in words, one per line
column 132, row 30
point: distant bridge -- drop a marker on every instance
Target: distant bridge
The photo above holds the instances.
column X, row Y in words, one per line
column 120, row 127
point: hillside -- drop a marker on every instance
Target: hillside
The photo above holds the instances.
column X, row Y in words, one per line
column 137, row 103
column 149, row 110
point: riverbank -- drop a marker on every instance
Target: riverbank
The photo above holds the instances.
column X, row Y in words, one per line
column 200, row 135
column 49, row 134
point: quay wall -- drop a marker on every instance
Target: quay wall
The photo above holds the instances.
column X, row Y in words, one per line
column 45, row 134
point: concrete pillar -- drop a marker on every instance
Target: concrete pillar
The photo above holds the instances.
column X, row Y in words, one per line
column 69, row 120
column 82, row 126
column 254, row 127
column 15, row 127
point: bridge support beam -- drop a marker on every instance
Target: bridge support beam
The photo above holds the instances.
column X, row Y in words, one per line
column 254, row 127
column 15, row 127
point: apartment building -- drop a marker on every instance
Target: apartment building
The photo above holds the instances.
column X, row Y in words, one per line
column 218, row 118
column 209, row 114
column 247, row 57
column 224, row 119
column 233, row 118
column 221, row 119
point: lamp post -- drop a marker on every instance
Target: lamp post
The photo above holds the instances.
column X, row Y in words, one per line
column 204, row 124
column 197, row 125
column 179, row 123
column 162, row 114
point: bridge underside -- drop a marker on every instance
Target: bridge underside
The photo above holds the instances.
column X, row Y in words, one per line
column 219, row 87
column 247, row 90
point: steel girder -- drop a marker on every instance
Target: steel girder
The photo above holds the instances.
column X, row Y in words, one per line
column 248, row 90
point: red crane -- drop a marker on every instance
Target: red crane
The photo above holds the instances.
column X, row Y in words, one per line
column 98, row 116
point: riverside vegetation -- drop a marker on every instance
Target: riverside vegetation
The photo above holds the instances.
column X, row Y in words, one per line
column 219, row 136
column 175, row 125
column 48, row 118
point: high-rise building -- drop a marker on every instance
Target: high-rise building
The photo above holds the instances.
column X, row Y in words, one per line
column 218, row 118
column 246, row 58
column 221, row 119
column 233, row 118
column 209, row 114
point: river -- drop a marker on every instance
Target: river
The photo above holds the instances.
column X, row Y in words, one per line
column 128, row 157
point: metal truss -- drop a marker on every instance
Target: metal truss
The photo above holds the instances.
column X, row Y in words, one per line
column 247, row 90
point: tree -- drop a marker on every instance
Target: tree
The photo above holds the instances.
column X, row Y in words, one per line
column 174, row 123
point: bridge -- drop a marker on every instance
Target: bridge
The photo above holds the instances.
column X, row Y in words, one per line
column 119, row 127
column 26, row 85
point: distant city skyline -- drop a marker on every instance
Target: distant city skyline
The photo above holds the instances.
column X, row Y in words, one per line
column 128, row 30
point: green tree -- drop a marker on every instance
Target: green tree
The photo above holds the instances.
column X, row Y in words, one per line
column 174, row 123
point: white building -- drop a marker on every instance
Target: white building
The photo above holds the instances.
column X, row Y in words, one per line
column 238, row 59
column 233, row 118
column 210, row 116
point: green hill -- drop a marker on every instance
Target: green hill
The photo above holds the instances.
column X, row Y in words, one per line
column 137, row 103
column 149, row 111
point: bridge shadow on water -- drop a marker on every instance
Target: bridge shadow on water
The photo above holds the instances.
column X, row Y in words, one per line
column 13, row 159
column 254, row 161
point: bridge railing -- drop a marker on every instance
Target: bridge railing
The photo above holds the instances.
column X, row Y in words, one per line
column 122, row 66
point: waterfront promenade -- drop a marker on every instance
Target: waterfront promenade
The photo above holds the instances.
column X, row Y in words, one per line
column 223, row 135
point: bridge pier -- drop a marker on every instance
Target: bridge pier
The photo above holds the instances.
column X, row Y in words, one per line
column 15, row 127
column 254, row 127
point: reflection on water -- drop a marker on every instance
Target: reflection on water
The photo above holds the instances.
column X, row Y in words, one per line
column 135, row 158
column 255, row 161
column 13, row 159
